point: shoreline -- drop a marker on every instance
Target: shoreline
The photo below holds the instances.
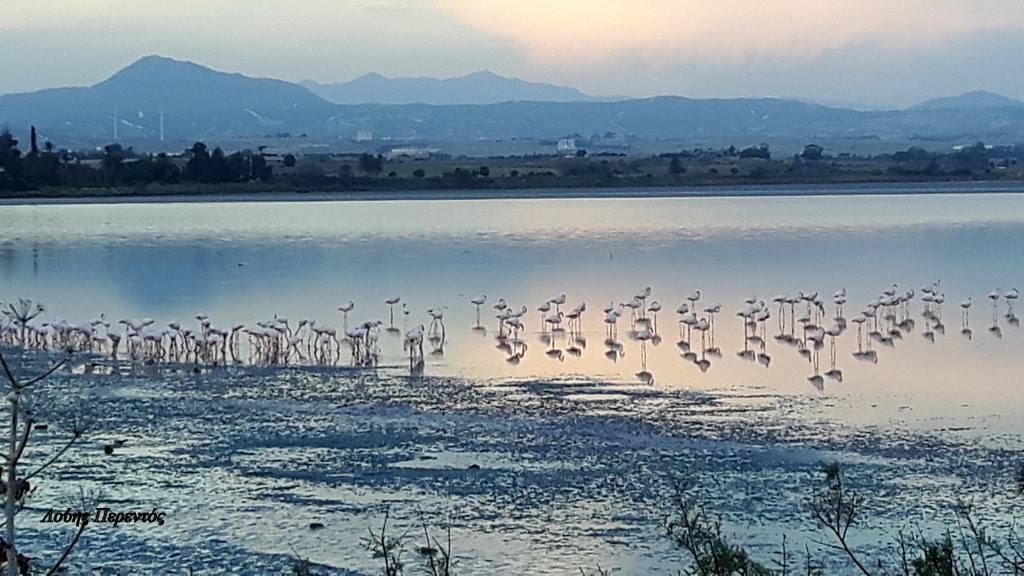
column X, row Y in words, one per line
column 103, row 196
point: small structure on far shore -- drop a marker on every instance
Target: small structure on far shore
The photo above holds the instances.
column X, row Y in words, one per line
column 412, row 153
column 566, row 146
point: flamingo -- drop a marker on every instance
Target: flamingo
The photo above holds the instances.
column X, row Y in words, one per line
column 1011, row 297
column 500, row 305
column 654, row 308
column 575, row 315
column 642, row 297
column 345, row 309
column 643, row 335
column 414, row 342
column 391, row 307
column 833, row 332
column 839, row 300
column 711, row 311
column 544, row 309
column 682, row 311
column 436, row 329
column 994, row 297
column 558, row 302
column 690, row 320
column 745, row 316
column 703, row 363
column 503, row 317
column 702, row 326
column 555, row 320
column 965, row 322
column 516, row 325
column 965, row 310
column 633, row 306
column 693, row 297
column 611, row 319
column 478, row 302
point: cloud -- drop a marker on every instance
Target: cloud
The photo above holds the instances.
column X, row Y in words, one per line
column 588, row 32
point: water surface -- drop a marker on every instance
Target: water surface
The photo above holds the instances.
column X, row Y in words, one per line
column 247, row 262
column 577, row 453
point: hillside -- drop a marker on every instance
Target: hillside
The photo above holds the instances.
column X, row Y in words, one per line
column 195, row 100
column 199, row 103
column 978, row 100
column 478, row 88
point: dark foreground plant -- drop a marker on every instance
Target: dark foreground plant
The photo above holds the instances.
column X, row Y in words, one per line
column 597, row 571
column 437, row 555
column 700, row 536
column 303, row 567
column 15, row 488
column 966, row 549
column 385, row 547
column 836, row 509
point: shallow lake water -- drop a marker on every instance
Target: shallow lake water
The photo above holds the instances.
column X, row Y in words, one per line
column 577, row 452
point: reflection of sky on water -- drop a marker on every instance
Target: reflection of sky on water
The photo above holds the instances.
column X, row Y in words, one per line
column 245, row 262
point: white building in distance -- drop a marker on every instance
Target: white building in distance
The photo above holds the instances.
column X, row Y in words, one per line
column 567, row 146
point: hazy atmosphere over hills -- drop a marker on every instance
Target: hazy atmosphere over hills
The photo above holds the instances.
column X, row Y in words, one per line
column 882, row 54
column 482, row 87
column 197, row 102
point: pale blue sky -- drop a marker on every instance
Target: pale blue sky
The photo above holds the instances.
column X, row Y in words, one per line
column 870, row 52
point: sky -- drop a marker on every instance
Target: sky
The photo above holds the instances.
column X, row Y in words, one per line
column 867, row 53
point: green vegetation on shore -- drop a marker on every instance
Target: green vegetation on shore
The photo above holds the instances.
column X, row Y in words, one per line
column 117, row 171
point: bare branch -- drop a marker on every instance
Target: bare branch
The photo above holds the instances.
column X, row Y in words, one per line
column 67, row 551
column 836, row 510
column 7, row 371
column 24, row 440
column 43, row 376
column 53, row 459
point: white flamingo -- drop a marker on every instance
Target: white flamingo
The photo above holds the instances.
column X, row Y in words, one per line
column 544, row 309
column 478, row 302
column 345, row 309
column 391, row 307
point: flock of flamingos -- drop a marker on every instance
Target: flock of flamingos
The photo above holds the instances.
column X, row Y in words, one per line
column 804, row 321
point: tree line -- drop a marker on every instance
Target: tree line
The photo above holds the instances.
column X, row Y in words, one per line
column 116, row 165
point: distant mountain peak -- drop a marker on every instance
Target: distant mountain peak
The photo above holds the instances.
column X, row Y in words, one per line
column 150, row 59
column 195, row 100
column 974, row 100
column 480, row 87
column 159, row 96
column 372, row 76
column 484, row 74
column 154, row 65
column 156, row 62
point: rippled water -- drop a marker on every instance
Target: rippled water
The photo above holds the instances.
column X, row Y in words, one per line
column 576, row 456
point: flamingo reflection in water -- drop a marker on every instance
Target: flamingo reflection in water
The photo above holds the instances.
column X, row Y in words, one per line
column 885, row 320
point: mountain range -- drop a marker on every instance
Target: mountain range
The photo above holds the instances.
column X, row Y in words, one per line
column 197, row 103
column 978, row 100
column 482, row 87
